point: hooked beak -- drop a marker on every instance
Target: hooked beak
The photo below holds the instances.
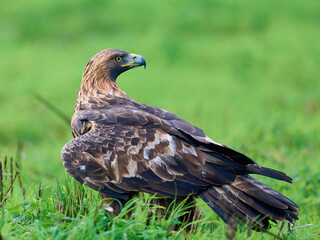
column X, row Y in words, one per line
column 135, row 60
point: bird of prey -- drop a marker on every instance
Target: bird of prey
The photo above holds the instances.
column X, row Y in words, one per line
column 122, row 147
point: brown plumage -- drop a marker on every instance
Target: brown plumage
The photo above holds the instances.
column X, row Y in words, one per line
column 121, row 147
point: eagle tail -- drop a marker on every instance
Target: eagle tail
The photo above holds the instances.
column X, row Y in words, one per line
column 248, row 200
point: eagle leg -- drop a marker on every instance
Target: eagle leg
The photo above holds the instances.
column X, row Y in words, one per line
column 113, row 207
column 189, row 218
column 192, row 216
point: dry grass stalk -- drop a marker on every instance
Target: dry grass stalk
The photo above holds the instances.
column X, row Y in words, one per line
column 1, row 182
column 8, row 178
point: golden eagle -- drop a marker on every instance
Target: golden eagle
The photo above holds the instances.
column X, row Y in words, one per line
column 122, row 147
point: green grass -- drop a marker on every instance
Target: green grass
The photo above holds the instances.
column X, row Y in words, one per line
column 69, row 210
column 246, row 72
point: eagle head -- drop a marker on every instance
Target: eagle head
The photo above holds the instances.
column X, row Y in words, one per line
column 110, row 63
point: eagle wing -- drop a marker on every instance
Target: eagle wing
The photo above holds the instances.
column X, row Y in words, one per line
column 195, row 135
column 127, row 149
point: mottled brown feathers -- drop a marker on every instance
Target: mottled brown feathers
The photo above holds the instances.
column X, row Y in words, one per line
column 121, row 147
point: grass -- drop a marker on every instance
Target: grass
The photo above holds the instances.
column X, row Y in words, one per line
column 245, row 72
column 69, row 210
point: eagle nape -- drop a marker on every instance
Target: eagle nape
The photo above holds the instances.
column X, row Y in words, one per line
column 122, row 147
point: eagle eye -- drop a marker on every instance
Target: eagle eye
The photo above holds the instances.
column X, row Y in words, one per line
column 118, row 58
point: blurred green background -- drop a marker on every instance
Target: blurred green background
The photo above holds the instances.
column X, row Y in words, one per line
column 247, row 72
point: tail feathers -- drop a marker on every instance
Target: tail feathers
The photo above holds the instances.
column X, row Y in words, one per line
column 232, row 209
column 259, row 190
column 248, row 200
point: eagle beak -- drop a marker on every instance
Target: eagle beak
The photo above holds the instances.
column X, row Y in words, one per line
column 135, row 60
column 138, row 60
